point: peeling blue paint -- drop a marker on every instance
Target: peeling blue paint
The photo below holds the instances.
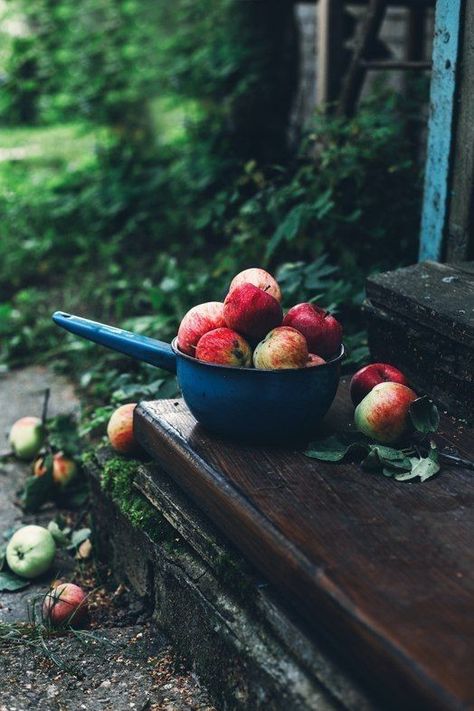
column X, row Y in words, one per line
column 443, row 85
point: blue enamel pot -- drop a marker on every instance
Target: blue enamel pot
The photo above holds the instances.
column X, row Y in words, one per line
column 242, row 403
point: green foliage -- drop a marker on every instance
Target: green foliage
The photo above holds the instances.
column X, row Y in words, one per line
column 117, row 479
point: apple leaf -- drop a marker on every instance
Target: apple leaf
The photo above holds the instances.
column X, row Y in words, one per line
column 422, row 467
column 380, row 457
column 79, row 537
column 11, row 582
column 39, row 489
column 424, row 415
column 334, row 448
column 59, row 535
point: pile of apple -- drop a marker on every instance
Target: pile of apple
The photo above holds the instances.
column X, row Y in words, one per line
column 249, row 328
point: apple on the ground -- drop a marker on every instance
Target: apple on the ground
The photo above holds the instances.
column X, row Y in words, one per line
column 120, row 429
column 26, row 437
column 30, row 551
column 198, row 321
column 251, row 311
column 371, row 375
column 383, row 414
column 282, row 348
column 64, row 469
column 224, row 347
column 260, row 278
column 65, row 604
column 322, row 330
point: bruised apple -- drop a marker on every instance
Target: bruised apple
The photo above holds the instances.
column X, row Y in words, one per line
column 260, row 278
column 198, row 321
column 282, row 348
column 224, row 347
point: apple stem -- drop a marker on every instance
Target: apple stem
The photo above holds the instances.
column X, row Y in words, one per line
column 459, row 461
column 45, row 405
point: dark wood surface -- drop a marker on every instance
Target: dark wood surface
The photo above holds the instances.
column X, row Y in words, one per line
column 383, row 569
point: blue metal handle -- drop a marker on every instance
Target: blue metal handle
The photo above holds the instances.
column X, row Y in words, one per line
column 142, row 348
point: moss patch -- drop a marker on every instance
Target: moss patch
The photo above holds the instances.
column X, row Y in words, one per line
column 117, row 479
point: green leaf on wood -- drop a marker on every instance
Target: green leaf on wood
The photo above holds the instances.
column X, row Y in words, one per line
column 335, row 448
column 424, row 415
column 11, row 582
column 422, row 467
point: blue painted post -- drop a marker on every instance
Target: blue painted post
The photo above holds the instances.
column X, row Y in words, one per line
column 442, row 95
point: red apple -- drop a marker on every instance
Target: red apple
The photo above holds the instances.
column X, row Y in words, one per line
column 371, row 375
column 314, row 359
column 225, row 347
column 64, row 469
column 383, row 414
column 257, row 277
column 282, row 348
column 198, row 321
column 251, row 311
column 322, row 331
column 120, row 429
column 65, row 604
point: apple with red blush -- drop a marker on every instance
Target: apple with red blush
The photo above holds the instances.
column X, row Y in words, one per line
column 384, row 413
column 198, row 321
column 322, row 330
column 314, row 359
column 224, row 346
column 371, row 375
column 251, row 311
column 120, row 429
column 282, row 348
column 65, row 604
column 260, row 278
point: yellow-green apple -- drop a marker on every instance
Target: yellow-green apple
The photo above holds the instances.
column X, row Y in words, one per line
column 282, row 348
column 198, row 321
column 64, row 469
column 225, row 347
column 30, row 551
column 251, row 311
column 120, row 429
column 27, row 437
column 383, row 414
column 322, row 331
column 314, row 359
column 65, row 604
column 371, row 375
column 257, row 277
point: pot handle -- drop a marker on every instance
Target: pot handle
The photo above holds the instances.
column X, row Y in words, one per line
column 140, row 347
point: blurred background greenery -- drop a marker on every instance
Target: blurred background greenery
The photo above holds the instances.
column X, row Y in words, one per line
column 145, row 158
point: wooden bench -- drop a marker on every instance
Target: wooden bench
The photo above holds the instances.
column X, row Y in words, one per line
column 382, row 571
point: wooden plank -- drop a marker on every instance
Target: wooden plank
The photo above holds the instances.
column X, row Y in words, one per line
column 460, row 240
column 443, row 85
column 329, row 50
column 365, row 39
column 383, row 570
column 437, row 296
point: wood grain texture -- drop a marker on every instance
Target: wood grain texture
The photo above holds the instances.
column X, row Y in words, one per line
column 385, row 570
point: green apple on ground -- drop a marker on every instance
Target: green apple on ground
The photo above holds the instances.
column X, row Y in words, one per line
column 27, row 437
column 383, row 414
column 30, row 551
